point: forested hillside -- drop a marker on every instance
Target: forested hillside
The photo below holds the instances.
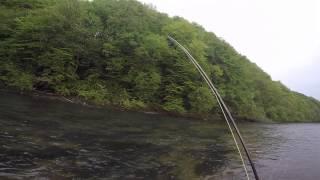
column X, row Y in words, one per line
column 116, row 52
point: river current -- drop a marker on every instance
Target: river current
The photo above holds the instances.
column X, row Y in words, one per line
column 41, row 138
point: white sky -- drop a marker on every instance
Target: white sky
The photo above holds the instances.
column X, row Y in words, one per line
column 281, row 36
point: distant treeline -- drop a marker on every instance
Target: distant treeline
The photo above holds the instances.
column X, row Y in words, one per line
column 115, row 52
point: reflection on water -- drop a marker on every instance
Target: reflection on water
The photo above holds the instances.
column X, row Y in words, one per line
column 55, row 140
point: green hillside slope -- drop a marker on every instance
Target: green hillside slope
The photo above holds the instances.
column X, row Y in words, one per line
column 115, row 52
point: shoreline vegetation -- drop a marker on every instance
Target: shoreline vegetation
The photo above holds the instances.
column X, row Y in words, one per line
column 80, row 101
column 91, row 104
column 115, row 53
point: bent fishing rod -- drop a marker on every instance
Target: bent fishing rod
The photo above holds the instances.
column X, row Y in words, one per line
column 226, row 113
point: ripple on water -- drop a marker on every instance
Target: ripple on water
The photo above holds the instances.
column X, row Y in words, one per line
column 47, row 139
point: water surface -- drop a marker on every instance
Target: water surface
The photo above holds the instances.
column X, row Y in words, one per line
column 49, row 139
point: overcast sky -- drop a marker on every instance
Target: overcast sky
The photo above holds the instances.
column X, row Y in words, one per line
column 281, row 36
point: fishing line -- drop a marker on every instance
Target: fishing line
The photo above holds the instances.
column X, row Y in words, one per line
column 224, row 110
column 224, row 114
column 230, row 128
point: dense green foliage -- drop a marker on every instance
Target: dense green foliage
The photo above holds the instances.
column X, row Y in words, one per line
column 115, row 52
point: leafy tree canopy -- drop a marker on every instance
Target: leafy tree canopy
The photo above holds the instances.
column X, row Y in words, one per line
column 116, row 52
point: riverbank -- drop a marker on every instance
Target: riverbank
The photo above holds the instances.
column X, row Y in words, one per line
column 147, row 110
column 91, row 104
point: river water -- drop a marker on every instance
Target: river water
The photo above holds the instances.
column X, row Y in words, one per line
column 49, row 139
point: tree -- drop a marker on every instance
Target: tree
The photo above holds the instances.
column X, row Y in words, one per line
column 201, row 100
column 116, row 52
